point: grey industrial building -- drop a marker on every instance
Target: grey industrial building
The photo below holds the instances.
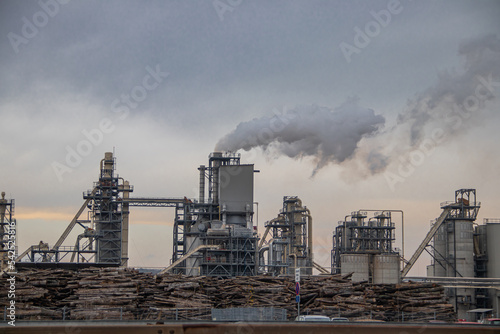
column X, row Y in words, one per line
column 216, row 235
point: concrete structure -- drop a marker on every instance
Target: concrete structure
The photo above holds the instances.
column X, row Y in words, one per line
column 493, row 247
column 358, row 264
column 493, row 261
column 365, row 248
column 386, row 269
column 458, row 250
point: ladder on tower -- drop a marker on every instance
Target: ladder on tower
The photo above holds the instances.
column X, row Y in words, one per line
column 425, row 242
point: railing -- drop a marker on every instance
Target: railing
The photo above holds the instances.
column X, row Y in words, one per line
column 128, row 313
column 118, row 313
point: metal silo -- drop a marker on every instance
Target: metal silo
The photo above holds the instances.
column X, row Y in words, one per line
column 493, row 248
column 440, row 252
column 463, row 250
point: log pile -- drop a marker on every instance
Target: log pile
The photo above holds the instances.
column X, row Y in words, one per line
column 112, row 293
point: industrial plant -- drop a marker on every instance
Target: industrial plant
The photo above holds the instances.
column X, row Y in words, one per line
column 365, row 248
column 215, row 235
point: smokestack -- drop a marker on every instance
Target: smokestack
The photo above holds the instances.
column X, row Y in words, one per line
column 202, row 184
column 216, row 163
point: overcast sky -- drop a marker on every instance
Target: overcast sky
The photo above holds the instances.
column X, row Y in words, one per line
column 383, row 104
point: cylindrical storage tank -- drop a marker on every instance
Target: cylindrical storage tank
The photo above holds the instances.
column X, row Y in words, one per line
column 440, row 246
column 358, row 264
column 493, row 249
column 464, row 236
column 386, row 269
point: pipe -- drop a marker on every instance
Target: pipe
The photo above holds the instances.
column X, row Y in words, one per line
column 294, row 260
column 402, row 228
column 309, row 234
column 215, row 165
column 224, row 216
column 125, row 224
column 3, row 208
column 261, row 254
column 202, row 184
column 248, row 220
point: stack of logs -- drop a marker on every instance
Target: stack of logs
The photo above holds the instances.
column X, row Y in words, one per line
column 112, row 293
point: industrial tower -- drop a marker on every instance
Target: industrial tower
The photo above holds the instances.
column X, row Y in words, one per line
column 290, row 244
column 365, row 248
column 216, row 236
column 109, row 214
column 453, row 247
column 104, row 241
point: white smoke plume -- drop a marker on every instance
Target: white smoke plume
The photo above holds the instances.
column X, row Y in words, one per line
column 459, row 95
column 451, row 106
column 326, row 135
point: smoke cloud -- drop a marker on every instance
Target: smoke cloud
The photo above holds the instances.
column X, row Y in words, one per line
column 458, row 94
column 307, row 131
column 450, row 106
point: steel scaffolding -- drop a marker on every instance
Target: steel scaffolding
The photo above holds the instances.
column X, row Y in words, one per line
column 216, row 223
column 360, row 236
column 290, row 244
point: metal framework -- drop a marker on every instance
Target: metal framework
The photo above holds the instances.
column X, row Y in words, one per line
column 463, row 208
column 360, row 236
column 235, row 248
column 290, row 245
column 235, row 256
column 104, row 240
column 197, row 223
column 451, row 244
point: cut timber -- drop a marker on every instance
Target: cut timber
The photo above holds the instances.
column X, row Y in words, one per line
column 114, row 293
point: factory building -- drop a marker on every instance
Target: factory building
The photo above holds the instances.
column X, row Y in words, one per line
column 290, row 244
column 463, row 250
column 216, row 236
column 453, row 247
column 104, row 237
column 364, row 247
column 213, row 235
column 492, row 234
